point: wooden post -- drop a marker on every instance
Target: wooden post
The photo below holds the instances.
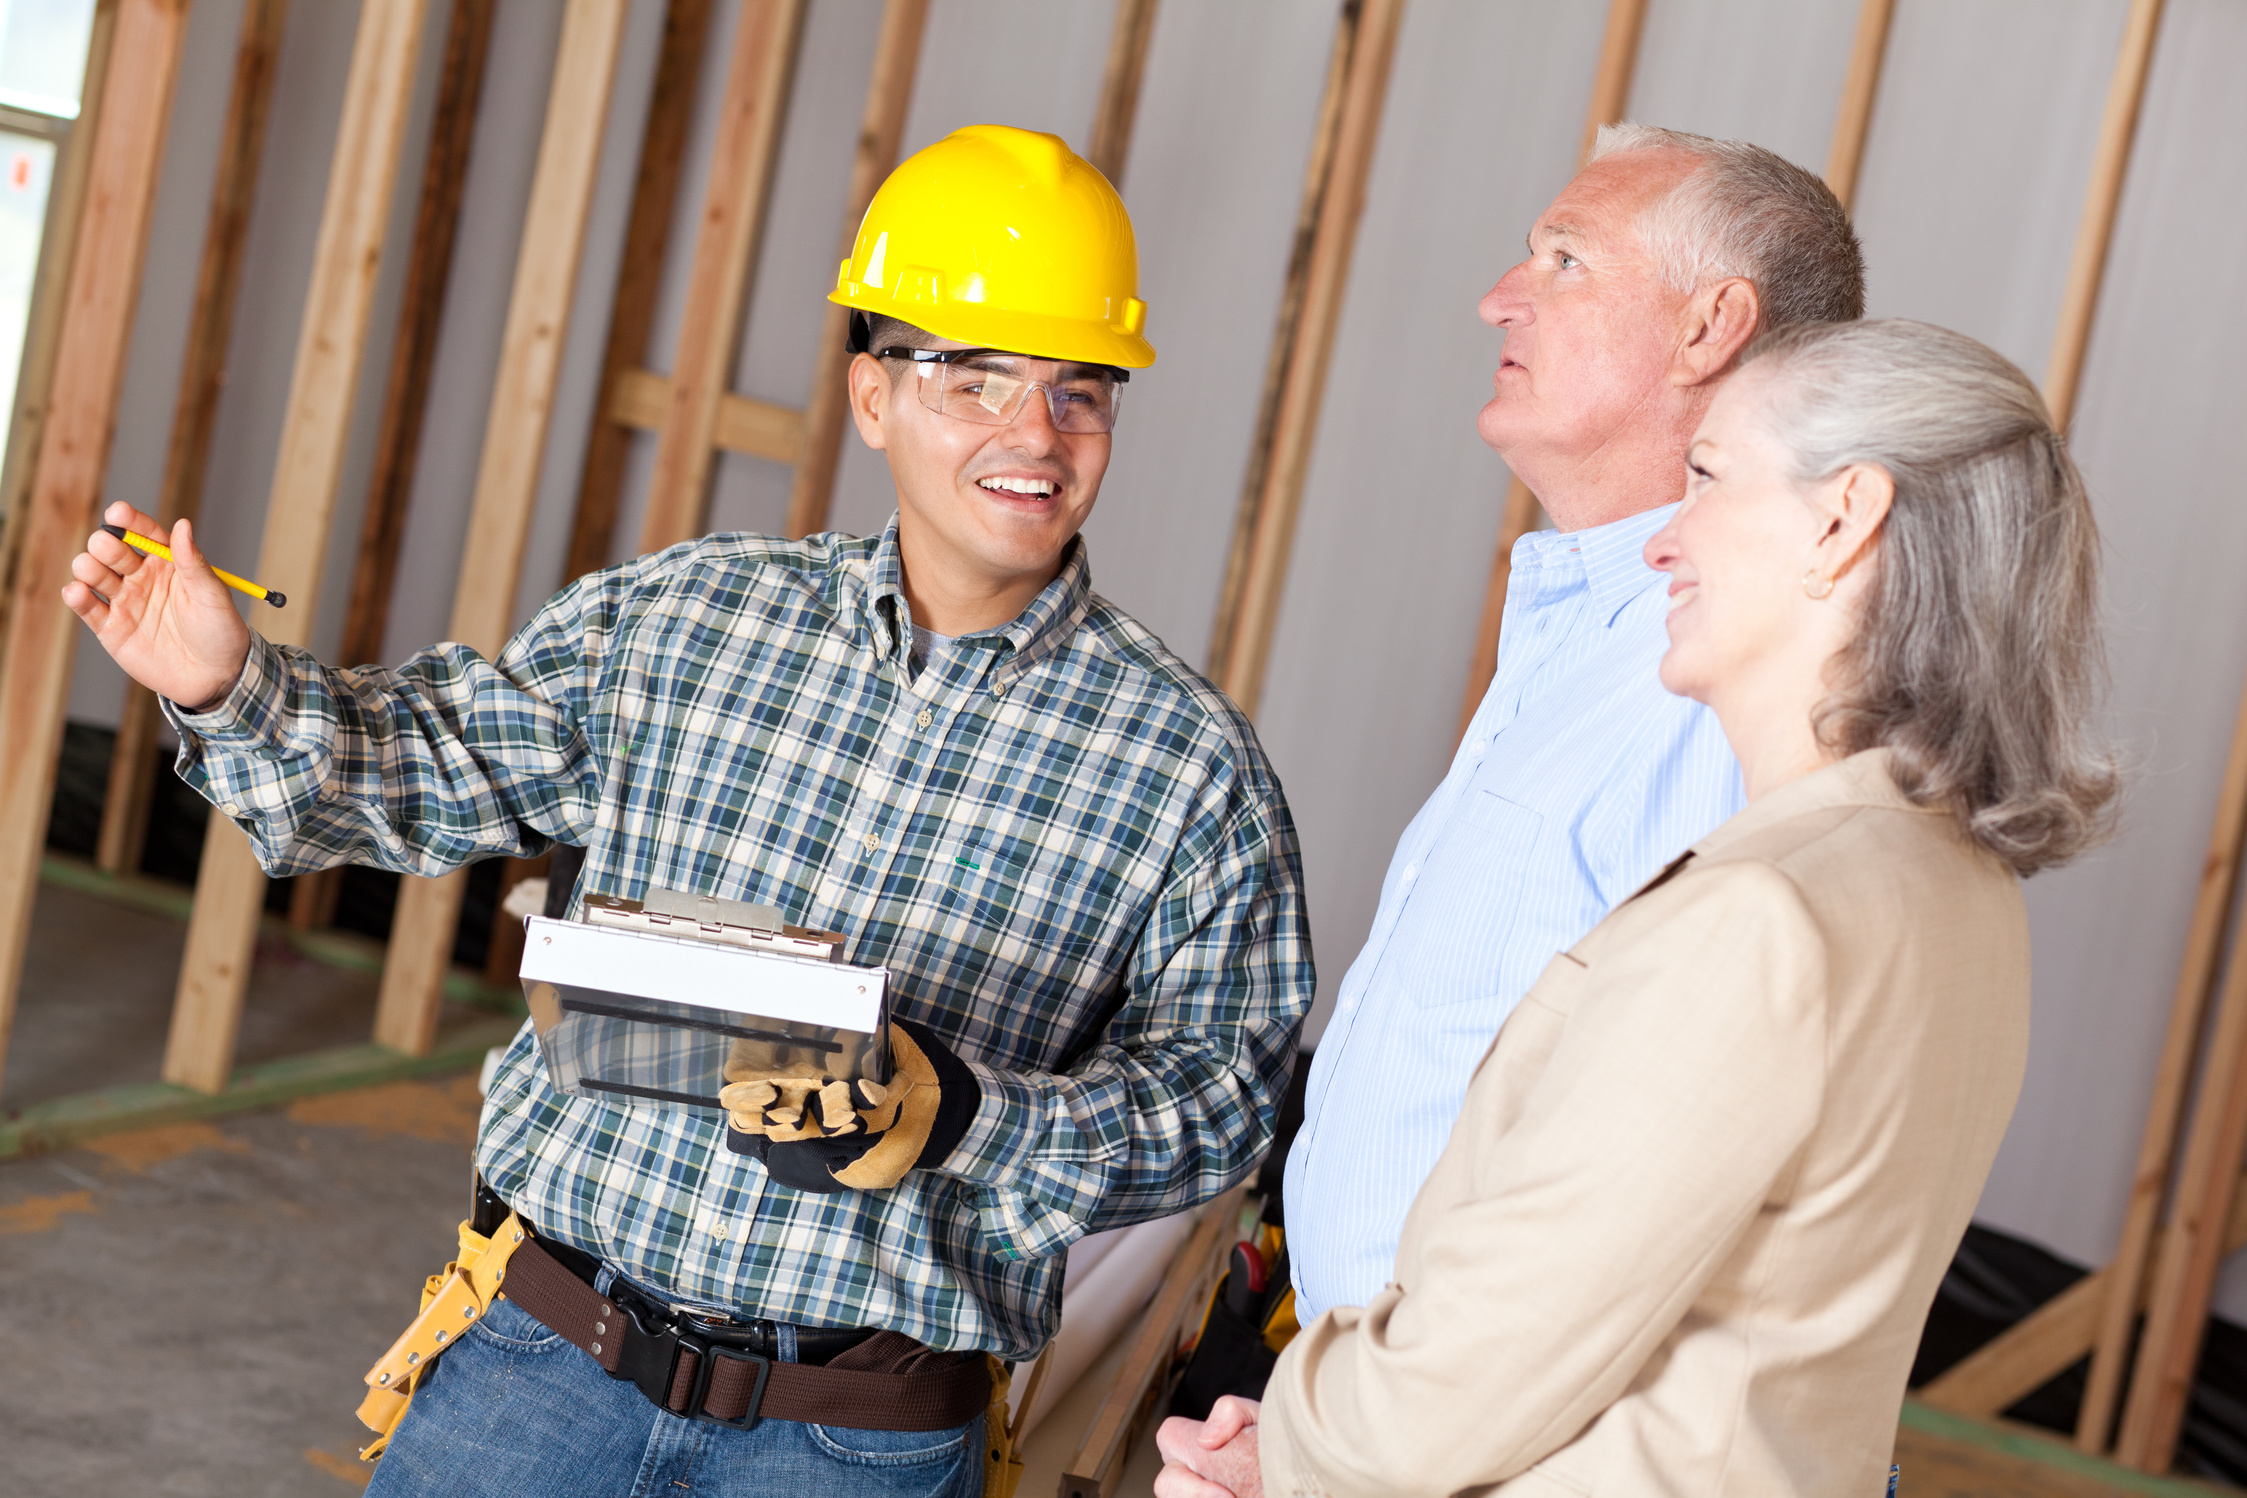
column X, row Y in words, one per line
column 128, row 153
column 2188, row 1008
column 897, row 56
column 733, row 210
column 1311, row 310
column 647, row 235
column 230, row 888
column 413, row 361
column 1858, row 89
column 50, row 296
column 1119, row 89
column 1611, row 98
column 530, row 359
column 1179, row 1301
column 2192, row 1247
column 2109, row 164
column 132, row 764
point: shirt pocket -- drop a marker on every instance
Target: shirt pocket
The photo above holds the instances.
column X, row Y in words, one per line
column 1472, row 888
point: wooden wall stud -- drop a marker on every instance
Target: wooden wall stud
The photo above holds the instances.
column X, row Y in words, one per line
column 569, row 159
column 889, row 90
column 104, row 284
column 1120, row 88
column 758, row 79
column 1311, row 311
column 647, row 235
column 2109, row 164
column 1860, row 85
column 230, row 888
column 133, row 764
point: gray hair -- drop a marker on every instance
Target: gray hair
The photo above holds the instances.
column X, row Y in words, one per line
column 1979, row 662
column 1752, row 213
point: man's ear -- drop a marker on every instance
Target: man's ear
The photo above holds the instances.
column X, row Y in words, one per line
column 870, row 395
column 1718, row 321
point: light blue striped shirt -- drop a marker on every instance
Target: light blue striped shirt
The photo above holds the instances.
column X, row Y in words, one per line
column 1579, row 778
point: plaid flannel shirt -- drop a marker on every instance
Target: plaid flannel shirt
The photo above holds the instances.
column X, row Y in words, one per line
column 1067, row 847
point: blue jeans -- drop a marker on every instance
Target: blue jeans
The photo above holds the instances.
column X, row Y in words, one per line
column 513, row 1410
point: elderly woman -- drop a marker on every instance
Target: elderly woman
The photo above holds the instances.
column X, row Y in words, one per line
column 1709, row 1176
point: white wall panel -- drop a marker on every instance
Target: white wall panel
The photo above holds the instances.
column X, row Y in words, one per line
column 1763, row 70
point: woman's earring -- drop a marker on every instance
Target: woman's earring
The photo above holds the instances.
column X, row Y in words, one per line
column 1817, row 586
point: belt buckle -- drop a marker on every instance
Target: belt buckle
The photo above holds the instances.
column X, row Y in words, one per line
column 709, row 1354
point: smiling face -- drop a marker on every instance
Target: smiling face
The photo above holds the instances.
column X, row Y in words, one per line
column 1738, row 551
column 983, row 512
column 1591, row 323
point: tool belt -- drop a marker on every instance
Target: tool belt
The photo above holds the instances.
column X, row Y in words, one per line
column 727, row 1373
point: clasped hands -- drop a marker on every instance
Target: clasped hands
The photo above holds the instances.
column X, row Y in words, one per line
column 1213, row 1458
column 818, row 1132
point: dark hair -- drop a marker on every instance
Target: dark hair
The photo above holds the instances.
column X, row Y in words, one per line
column 1979, row 662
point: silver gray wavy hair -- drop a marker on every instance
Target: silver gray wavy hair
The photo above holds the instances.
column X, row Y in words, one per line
column 1749, row 212
column 1979, row 661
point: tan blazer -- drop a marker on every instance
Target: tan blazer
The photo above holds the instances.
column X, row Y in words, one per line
column 1704, row 1185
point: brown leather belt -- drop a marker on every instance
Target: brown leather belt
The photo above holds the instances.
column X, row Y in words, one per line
column 880, row 1381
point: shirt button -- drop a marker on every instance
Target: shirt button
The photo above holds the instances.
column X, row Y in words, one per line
column 231, row 809
column 926, row 717
column 872, row 841
column 1411, row 872
column 718, row 1228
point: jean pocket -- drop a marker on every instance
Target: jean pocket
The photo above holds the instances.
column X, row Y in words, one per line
column 510, row 1328
column 895, row 1448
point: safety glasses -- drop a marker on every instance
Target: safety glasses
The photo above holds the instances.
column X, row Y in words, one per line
column 988, row 386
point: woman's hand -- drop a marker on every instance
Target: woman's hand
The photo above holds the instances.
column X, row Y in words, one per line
column 171, row 625
column 1213, row 1458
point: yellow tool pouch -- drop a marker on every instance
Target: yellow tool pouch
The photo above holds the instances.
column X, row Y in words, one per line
column 451, row 1302
column 1002, row 1469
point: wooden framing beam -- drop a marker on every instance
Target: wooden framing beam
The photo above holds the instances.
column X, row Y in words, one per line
column 133, row 763
column 889, row 90
column 2040, row 1346
column 413, row 361
column 2188, row 1010
column 1184, row 1292
column 104, row 284
column 42, row 338
column 1518, row 516
column 647, row 236
column 1310, row 312
column 760, row 73
column 2193, row 1244
column 641, row 398
column 2109, row 164
column 1119, row 88
column 230, row 888
column 1859, row 86
column 530, row 360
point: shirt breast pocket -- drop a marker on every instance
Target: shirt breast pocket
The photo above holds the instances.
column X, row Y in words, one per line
column 1469, row 904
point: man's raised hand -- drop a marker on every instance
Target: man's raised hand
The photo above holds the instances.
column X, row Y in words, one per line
column 171, row 625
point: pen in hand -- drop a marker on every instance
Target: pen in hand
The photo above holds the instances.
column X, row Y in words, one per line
column 141, row 543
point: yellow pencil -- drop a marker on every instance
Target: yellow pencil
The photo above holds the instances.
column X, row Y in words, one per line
column 139, row 542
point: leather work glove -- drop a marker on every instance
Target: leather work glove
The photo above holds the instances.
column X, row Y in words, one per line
column 819, row 1133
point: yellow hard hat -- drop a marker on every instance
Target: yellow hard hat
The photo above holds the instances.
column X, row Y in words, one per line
column 1007, row 239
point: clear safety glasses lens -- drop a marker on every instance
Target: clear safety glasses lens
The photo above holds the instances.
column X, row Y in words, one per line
column 990, row 391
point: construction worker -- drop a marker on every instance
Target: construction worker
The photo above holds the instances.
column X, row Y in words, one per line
column 1066, row 846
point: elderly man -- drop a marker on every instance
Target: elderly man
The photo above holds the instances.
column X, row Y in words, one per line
column 1579, row 776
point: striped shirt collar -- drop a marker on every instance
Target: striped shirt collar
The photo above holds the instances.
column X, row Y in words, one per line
column 1613, row 556
column 1048, row 623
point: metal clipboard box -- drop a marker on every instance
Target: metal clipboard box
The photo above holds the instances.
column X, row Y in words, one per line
column 651, row 999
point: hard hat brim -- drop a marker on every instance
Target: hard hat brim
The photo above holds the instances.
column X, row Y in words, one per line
column 1029, row 333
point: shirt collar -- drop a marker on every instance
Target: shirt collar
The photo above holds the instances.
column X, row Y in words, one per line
column 1615, row 560
column 1042, row 628
column 1861, row 779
